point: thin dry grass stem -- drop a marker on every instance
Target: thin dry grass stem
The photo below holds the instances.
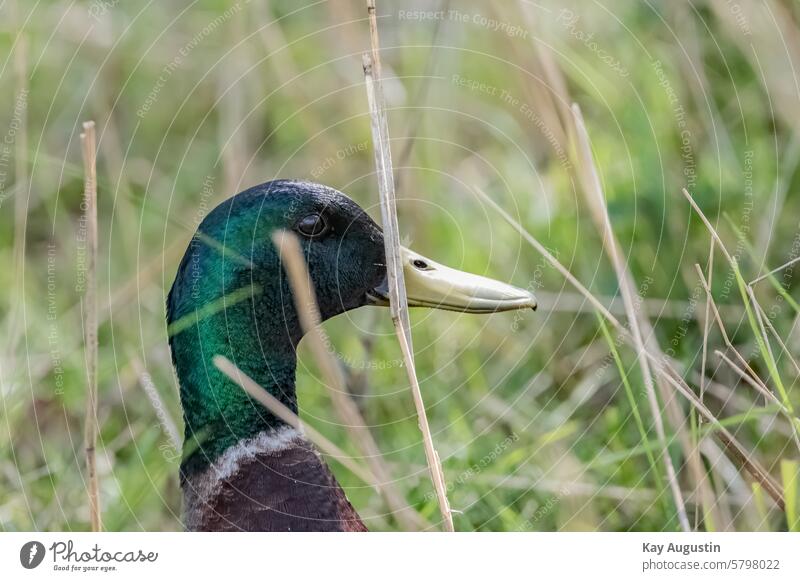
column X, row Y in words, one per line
column 734, row 447
column 773, row 271
column 275, row 407
column 768, row 395
column 162, row 412
column 785, row 404
column 308, row 313
column 723, row 332
column 707, row 502
column 394, row 268
column 661, row 365
column 757, row 312
column 122, row 296
column 89, row 146
column 780, row 341
column 559, row 103
column 554, row 262
column 712, row 305
column 706, row 322
column 709, row 225
column 594, row 192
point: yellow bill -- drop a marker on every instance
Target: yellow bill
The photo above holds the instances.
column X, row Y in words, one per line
column 434, row 285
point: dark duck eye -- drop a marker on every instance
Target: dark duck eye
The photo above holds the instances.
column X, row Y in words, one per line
column 312, row 225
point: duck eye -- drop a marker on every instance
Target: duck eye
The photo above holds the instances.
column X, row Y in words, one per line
column 312, row 225
column 421, row 264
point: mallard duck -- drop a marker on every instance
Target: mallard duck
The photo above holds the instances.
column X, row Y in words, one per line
column 243, row 468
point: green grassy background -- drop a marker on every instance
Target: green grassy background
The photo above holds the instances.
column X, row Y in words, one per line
column 195, row 101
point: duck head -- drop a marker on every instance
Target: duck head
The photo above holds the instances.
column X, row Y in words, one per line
column 231, row 297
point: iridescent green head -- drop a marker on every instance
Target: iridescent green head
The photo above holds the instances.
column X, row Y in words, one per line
column 231, row 297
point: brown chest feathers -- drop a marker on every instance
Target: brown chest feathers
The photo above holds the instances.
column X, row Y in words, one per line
column 275, row 482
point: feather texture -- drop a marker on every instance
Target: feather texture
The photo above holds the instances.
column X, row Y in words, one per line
column 262, row 486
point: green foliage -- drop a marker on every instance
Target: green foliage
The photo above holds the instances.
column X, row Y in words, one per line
column 177, row 139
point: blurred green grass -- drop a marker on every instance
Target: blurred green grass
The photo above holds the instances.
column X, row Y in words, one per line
column 196, row 102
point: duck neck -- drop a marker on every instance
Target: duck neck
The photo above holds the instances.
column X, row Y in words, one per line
column 217, row 413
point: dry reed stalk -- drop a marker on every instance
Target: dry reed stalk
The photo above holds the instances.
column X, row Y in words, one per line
column 89, row 146
column 122, row 296
column 308, row 312
column 594, row 193
column 398, row 303
column 275, row 407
